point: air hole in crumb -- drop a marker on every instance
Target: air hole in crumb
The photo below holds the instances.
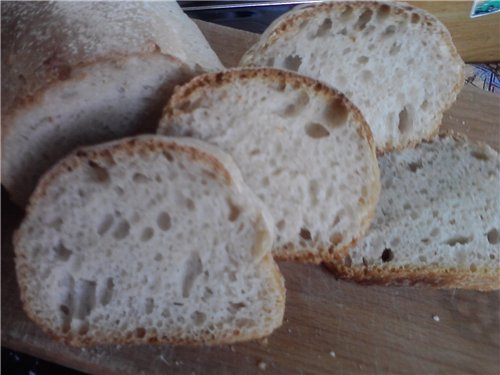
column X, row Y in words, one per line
column 158, row 257
column 316, row 131
column 147, row 234
column 64, row 309
column 415, row 165
column 190, row 204
column 493, row 237
column 407, row 206
column 265, row 181
column 305, row 234
column 97, row 173
column 480, row 155
column 424, row 105
column 422, row 258
column 140, row 332
column 104, row 291
column 163, row 221
column 492, row 256
column 395, row 48
column 298, row 105
column 168, row 156
column 346, row 13
column 434, row 232
column 324, row 28
column 404, row 121
column 270, row 61
column 122, row 230
column 62, row 253
column 346, row 51
column 462, row 240
column 149, row 305
column 383, row 11
column 389, row 30
column 234, row 307
column 363, row 19
column 387, row 255
column 255, row 151
column 336, row 113
column 199, row 318
column 139, row 178
column 293, row 63
column 192, row 269
column 105, row 224
column 415, row 18
column 280, row 225
column 363, row 59
column 473, row 268
column 234, row 211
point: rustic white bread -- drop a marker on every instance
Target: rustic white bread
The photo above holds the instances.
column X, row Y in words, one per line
column 437, row 222
column 396, row 63
column 302, row 147
column 78, row 73
column 148, row 239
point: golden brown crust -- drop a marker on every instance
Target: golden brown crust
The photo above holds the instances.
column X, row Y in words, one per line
column 291, row 252
column 482, row 280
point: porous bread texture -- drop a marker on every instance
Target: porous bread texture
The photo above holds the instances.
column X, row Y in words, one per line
column 396, row 63
column 104, row 62
column 148, row 240
column 302, row 147
column 437, row 221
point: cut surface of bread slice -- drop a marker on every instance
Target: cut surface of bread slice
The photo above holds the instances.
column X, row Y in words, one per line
column 80, row 73
column 148, row 240
column 396, row 63
column 301, row 146
column 437, row 222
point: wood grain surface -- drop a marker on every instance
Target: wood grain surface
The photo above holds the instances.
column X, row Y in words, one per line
column 330, row 327
column 477, row 39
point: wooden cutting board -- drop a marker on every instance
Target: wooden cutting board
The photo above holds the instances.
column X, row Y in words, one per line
column 330, row 327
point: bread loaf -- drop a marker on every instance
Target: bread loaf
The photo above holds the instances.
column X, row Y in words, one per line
column 78, row 73
column 396, row 63
column 437, row 222
column 148, row 239
column 302, row 147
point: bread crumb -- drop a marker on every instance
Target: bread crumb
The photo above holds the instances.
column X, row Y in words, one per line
column 262, row 365
column 436, row 318
column 163, row 359
column 332, row 353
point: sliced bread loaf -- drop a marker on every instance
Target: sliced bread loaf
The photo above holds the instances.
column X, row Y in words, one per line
column 79, row 73
column 437, row 222
column 148, row 239
column 302, row 147
column 396, row 63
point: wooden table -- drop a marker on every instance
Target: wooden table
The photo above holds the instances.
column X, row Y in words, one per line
column 330, row 327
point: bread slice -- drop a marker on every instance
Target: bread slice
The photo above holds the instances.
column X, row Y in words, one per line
column 302, row 147
column 437, row 222
column 148, row 240
column 80, row 73
column 396, row 63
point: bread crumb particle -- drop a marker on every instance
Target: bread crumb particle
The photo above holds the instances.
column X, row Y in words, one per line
column 333, row 354
column 289, row 330
column 436, row 318
column 262, row 365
